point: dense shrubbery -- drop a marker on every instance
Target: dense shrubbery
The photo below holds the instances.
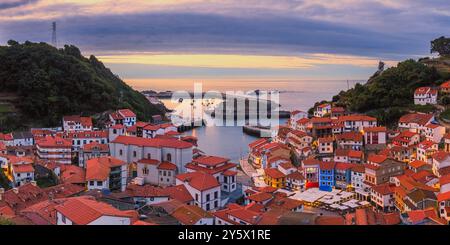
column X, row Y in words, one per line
column 51, row 83
column 390, row 94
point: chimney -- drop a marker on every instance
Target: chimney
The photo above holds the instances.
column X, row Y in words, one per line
column 15, row 190
column 2, row 191
column 33, row 183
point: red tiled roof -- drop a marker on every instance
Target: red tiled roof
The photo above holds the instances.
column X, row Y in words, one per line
column 260, row 197
column 311, row 161
column 356, row 118
column 274, row 173
column 199, row 180
column 117, row 126
column 349, row 153
column 145, row 191
column 417, row 164
column 53, row 142
column 376, row 158
column 167, row 166
column 178, row 192
column 330, row 220
column 374, row 129
column 73, row 174
column 146, row 142
column 295, row 176
column 440, row 155
column 425, row 90
column 383, row 189
column 99, row 168
column 353, row 136
column 23, row 168
column 229, row 173
column 149, row 161
column 359, row 168
column 126, row 113
column 84, row 134
column 327, row 165
column 445, row 196
column 96, row 146
column 325, row 140
column 443, row 180
column 190, row 214
column 84, row 210
column 286, row 165
column 426, row 144
column 344, row 166
column 418, row 118
column 445, row 84
column 210, row 160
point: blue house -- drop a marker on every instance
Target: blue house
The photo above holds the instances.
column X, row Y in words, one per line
column 326, row 176
column 342, row 175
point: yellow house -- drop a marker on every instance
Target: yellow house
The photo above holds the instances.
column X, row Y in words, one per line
column 274, row 178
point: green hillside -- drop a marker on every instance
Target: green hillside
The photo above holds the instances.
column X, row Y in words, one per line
column 39, row 84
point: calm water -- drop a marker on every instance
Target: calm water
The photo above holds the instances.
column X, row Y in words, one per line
column 231, row 142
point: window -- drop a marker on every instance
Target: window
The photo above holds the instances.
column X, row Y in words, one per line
column 63, row 219
column 149, row 156
column 134, row 154
column 216, row 204
column 169, row 157
column 145, row 171
column 207, row 197
column 196, row 197
column 207, row 207
column 120, row 152
column 99, row 183
column 91, row 183
column 216, row 195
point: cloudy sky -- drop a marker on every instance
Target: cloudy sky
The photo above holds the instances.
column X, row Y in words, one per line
column 227, row 39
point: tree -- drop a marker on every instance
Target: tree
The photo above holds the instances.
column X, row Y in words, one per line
column 441, row 45
column 12, row 43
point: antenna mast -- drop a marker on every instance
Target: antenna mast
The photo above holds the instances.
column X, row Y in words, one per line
column 54, row 42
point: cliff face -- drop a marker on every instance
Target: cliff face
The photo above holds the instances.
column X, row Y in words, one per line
column 39, row 84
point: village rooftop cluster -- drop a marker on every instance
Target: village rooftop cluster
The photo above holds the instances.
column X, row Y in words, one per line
column 329, row 168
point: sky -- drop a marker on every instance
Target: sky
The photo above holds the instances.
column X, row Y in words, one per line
column 169, row 40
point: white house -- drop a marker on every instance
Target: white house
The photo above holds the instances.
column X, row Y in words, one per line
column 56, row 149
column 203, row 187
column 322, row 110
column 22, row 139
column 77, row 123
column 81, row 138
column 295, row 116
column 414, row 122
column 85, row 210
column 22, row 173
column 106, row 173
column 425, row 95
column 325, row 145
column 375, row 135
column 123, row 116
column 156, row 173
column 132, row 149
column 382, row 197
column 219, row 167
column 357, row 122
column 425, row 149
column 433, row 132
column 440, row 159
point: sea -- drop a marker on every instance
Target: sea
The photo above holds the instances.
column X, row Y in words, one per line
column 230, row 141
